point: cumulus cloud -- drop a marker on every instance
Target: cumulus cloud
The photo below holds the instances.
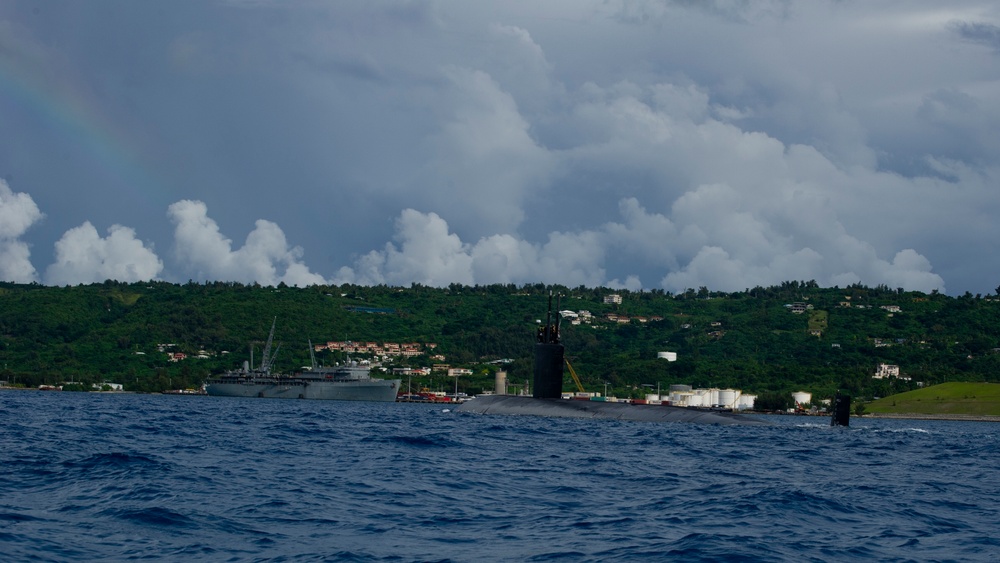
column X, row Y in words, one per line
column 731, row 240
column 15, row 262
column 427, row 252
column 746, row 249
column 264, row 258
column 18, row 213
column 82, row 256
column 485, row 164
column 735, row 209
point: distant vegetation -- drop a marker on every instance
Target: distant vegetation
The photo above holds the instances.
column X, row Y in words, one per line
column 748, row 340
column 980, row 399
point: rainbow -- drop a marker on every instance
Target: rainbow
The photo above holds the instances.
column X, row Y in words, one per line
column 29, row 87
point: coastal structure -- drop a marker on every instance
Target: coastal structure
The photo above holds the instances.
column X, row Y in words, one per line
column 733, row 399
column 885, row 371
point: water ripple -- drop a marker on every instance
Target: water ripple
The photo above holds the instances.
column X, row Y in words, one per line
column 90, row 477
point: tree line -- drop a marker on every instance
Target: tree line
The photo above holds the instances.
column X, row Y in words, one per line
column 750, row 340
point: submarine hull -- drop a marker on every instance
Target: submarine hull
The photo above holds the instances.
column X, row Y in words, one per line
column 563, row 408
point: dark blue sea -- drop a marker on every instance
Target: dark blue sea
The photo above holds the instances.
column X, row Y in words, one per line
column 87, row 477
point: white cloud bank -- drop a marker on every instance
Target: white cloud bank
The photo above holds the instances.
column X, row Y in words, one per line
column 264, row 258
column 426, row 252
column 18, row 213
column 714, row 236
column 82, row 256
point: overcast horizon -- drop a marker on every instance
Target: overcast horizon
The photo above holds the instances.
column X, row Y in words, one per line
column 623, row 143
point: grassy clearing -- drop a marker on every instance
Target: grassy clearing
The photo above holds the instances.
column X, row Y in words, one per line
column 818, row 320
column 127, row 299
column 982, row 399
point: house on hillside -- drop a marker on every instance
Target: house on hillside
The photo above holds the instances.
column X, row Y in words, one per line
column 885, row 371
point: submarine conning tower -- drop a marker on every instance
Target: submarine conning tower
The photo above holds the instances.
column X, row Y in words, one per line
column 841, row 409
column 549, row 358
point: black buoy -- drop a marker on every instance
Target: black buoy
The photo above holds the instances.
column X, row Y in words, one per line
column 841, row 409
column 549, row 354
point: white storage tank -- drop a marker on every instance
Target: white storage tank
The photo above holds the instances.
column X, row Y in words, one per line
column 696, row 400
column 681, row 398
column 712, row 398
column 801, row 397
column 745, row 402
column 727, row 398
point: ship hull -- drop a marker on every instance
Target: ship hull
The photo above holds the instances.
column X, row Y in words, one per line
column 563, row 408
column 379, row 390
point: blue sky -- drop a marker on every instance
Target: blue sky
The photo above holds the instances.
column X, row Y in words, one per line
column 632, row 144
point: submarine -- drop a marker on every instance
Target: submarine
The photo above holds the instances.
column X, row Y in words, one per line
column 546, row 398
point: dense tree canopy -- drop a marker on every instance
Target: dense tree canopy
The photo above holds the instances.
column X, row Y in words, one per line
column 762, row 340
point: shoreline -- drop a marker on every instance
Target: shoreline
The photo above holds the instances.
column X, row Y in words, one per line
column 900, row 416
column 896, row 416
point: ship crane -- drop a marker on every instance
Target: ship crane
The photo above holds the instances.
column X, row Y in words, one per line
column 265, row 363
column 576, row 379
column 312, row 355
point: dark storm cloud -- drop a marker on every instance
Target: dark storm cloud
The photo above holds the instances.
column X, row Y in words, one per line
column 625, row 143
column 983, row 33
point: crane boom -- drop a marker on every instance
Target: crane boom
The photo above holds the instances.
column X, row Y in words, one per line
column 265, row 364
column 576, row 379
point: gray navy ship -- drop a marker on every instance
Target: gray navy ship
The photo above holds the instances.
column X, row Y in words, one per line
column 348, row 382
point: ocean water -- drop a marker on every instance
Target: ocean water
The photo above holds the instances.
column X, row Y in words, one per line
column 87, row 477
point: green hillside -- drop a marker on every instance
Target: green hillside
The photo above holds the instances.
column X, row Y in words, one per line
column 978, row 399
column 767, row 341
